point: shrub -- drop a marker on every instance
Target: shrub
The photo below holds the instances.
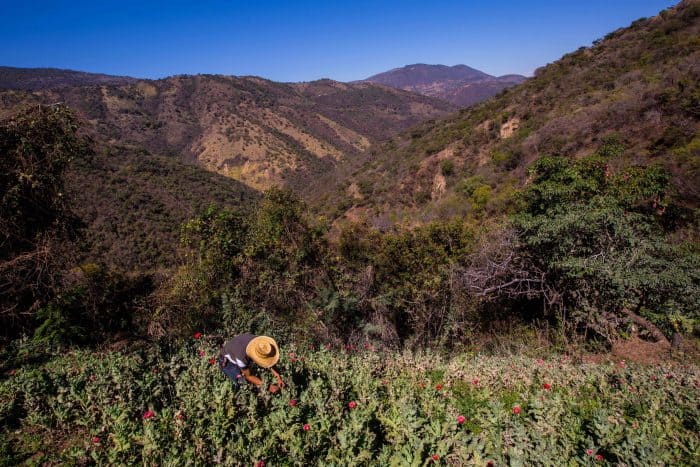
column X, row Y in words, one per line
column 447, row 167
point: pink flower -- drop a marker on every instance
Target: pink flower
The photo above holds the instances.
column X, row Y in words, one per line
column 589, row 452
column 435, row 457
column 148, row 414
column 201, row 353
column 540, row 361
column 293, row 402
column 547, row 386
column 306, row 427
column 260, row 464
column 197, row 335
column 179, row 416
column 352, row 404
column 516, row 410
column 92, row 378
column 293, row 359
column 95, row 440
column 653, row 377
column 461, row 419
column 599, row 457
column 475, row 382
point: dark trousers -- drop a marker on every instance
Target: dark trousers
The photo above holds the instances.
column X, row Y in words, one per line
column 233, row 372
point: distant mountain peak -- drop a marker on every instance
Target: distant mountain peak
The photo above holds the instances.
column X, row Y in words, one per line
column 34, row 79
column 459, row 84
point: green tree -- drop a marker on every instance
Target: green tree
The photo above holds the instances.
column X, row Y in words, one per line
column 605, row 243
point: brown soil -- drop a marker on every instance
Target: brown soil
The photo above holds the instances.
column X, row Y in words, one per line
column 643, row 351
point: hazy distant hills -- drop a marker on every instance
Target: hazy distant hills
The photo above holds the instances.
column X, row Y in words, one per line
column 259, row 132
column 459, row 84
column 34, row 79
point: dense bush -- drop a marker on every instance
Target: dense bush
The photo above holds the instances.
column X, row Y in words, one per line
column 36, row 146
column 603, row 239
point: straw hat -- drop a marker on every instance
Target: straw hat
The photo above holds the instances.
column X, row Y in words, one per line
column 263, row 350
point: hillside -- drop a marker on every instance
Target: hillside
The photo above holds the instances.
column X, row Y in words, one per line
column 166, row 149
column 461, row 85
column 35, row 79
column 632, row 96
column 256, row 131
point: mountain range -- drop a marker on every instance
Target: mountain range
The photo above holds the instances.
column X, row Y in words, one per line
column 366, row 151
column 166, row 148
column 461, row 85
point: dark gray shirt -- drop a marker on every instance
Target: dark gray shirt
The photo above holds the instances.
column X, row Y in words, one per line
column 234, row 350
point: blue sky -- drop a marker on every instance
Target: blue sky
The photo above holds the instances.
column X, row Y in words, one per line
column 303, row 40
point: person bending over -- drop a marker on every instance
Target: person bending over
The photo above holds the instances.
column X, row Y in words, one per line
column 239, row 353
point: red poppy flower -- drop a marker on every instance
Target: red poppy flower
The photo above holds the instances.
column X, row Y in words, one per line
column 489, row 464
column 293, row 402
column 306, row 427
column 260, row 464
column 148, row 414
column 599, row 457
column 516, row 410
column 197, row 335
column 475, row 382
column 461, row 419
column 96, row 440
column 352, row 404
column 438, row 387
column 547, row 386
column 212, row 361
column 435, row 457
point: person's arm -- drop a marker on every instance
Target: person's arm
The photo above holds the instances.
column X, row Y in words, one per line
column 250, row 377
column 280, row 383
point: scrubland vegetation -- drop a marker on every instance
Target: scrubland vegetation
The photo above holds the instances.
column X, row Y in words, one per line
column 456, row 329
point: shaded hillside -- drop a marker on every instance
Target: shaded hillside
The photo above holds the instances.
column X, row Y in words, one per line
column 34, row 79
column 256, row 131
column 134, row 203
column 633, row 97
column 459, row 84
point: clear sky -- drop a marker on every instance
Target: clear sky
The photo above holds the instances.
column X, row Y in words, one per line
column 300, row 40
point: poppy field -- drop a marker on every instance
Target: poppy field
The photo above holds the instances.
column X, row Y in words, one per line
column 171, row 405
